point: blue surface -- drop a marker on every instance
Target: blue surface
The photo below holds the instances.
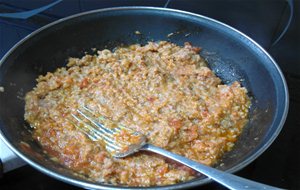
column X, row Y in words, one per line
column 29, row 13
column 12, row 30
column 258, row 19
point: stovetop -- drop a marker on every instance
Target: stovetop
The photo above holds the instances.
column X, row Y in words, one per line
column 263, row 21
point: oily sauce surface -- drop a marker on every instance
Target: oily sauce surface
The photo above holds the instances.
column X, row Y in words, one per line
column 161, row 90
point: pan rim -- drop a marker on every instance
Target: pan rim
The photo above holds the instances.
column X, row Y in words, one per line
column 187, row 184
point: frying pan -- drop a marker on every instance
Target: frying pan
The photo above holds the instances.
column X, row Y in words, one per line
column 231, row 54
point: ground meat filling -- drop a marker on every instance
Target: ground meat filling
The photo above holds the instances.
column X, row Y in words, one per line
column 161, row 90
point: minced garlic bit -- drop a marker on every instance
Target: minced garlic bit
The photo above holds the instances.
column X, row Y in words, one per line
column 137, row 32
column 171, row 34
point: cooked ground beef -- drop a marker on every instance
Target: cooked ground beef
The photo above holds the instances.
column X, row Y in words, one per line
column 162, row 90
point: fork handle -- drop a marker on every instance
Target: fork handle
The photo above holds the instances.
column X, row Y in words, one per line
column 228, row 180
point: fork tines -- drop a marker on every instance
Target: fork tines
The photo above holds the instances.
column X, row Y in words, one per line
column 94, row 128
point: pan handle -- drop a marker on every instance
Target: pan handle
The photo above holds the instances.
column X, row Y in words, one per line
column 8, row 160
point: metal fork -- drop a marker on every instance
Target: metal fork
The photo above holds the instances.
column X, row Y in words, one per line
column 121, row 141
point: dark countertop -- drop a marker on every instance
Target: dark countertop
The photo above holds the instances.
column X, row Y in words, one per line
column 279, row 165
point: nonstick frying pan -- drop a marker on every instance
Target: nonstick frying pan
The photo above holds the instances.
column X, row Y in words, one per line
column 231, row 54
